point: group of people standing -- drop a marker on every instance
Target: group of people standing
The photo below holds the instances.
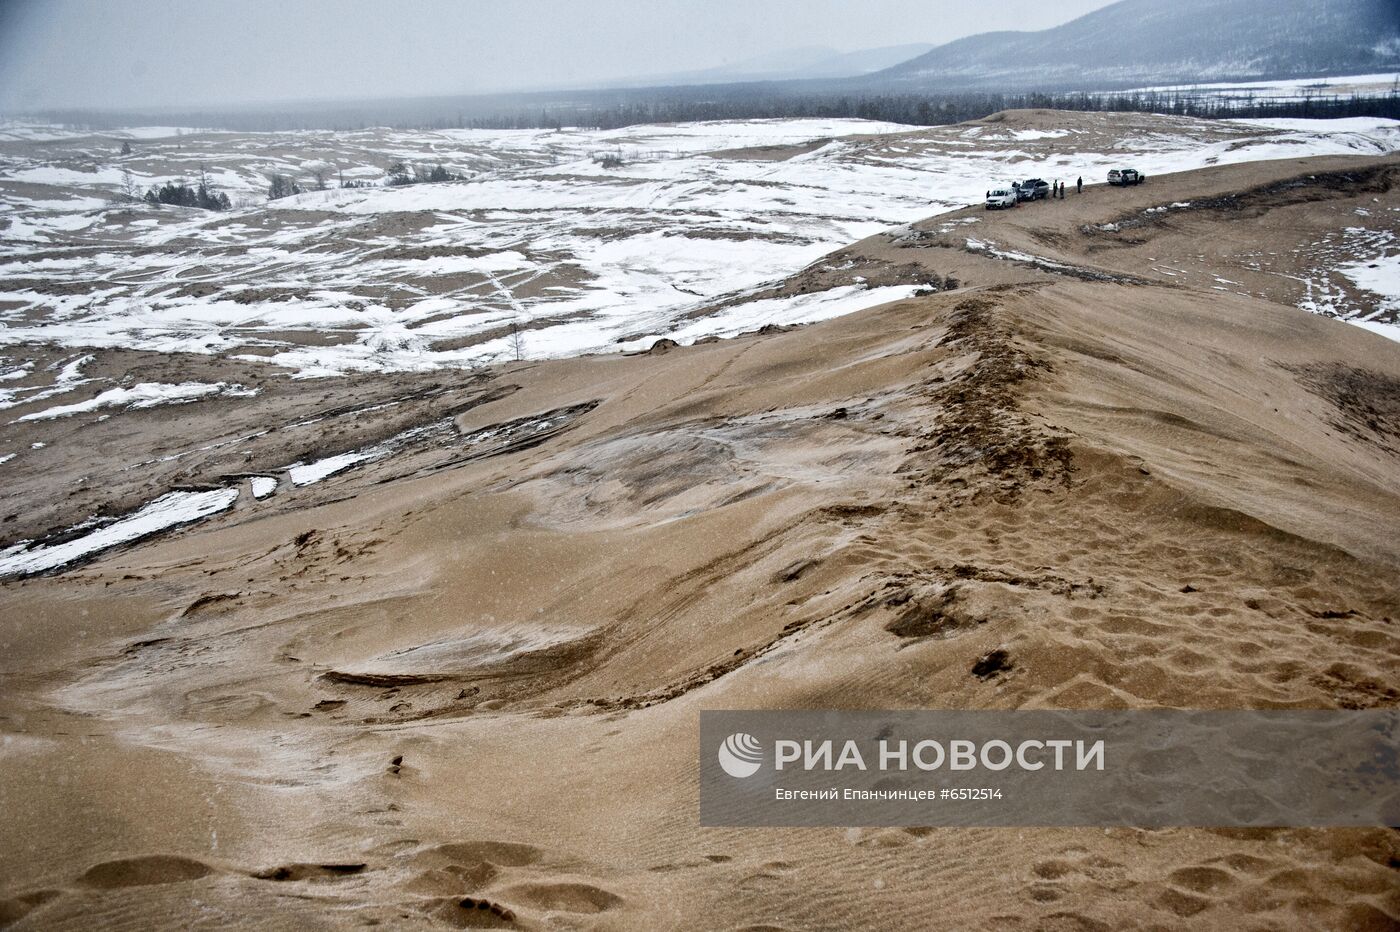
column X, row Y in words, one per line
column 1058, row 188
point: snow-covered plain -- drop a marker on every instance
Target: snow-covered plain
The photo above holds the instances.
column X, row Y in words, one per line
column 580, row 256
column 1243, row 93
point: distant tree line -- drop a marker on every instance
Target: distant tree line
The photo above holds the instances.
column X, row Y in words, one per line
column 398, row 173
column 930, row 110
column 611, row 109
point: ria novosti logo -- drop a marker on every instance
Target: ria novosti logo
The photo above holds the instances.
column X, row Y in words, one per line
column 741, row 755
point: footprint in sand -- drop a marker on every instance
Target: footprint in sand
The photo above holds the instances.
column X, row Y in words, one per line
column 1181, row 903
column 144, row 871
column 465, row 867
column 16, row 908
column 470, row 912
column 1208, row 881
column 453, row 879
column 563, row 897
column 499, row 853
column 307, row 871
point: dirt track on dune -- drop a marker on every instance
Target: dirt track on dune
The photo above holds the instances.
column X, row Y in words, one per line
column 459, row 687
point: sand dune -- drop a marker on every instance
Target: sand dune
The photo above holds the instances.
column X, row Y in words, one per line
column 458, row 686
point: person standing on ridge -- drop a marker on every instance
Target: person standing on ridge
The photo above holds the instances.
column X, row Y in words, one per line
column 1079, row 186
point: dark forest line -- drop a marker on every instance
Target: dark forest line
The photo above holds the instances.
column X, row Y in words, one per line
column 746, row 102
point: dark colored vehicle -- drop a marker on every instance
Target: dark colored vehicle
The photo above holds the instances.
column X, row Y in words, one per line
column 1032, row 189
column 1126, row 176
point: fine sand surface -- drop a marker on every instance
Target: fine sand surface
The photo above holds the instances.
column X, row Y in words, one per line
column 458, row 686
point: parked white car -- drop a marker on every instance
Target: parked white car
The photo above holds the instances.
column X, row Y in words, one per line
column 999, row 198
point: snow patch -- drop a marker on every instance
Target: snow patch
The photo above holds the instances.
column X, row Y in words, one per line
column 1379, row 276
column 170, row 510
column 143, row 395
column 309, row 473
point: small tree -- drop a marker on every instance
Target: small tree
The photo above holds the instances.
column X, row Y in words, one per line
column 204, row 194
column 399, row 174
column 281, row 186
column 319, row 172
column 129, row 191
column 126, row 148
column 517, row 341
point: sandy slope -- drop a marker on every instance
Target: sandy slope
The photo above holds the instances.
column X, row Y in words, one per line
column 464, row 691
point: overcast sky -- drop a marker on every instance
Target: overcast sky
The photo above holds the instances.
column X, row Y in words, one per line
column 137, row 53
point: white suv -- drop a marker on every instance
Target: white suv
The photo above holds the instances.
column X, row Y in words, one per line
column 998, row 198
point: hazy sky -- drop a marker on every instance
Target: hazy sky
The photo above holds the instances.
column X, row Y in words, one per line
column 132, row 53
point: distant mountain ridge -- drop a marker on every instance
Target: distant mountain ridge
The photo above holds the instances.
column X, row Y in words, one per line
column 797, row 64
column 1129, row 44
column 1167, row 41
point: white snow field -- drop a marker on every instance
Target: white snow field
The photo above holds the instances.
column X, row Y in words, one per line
column 1245, row 93
column 578, row 255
